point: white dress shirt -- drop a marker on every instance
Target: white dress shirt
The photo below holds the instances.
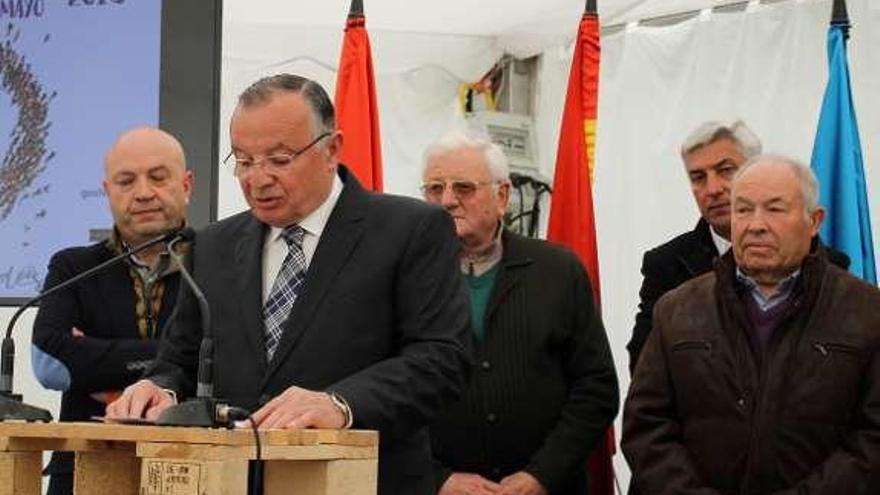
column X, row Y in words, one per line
column 275, row 248
column 721, row 244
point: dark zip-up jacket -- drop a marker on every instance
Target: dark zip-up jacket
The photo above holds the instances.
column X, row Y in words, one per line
column 673, row 263
column 705, row 416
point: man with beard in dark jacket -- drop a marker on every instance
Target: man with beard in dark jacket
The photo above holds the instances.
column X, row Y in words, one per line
column 762, row 377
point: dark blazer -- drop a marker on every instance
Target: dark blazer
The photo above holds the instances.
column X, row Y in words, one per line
column 671, row 264
column 110, row 356
column 664, row 268
column 382, row 321
column 545, row 389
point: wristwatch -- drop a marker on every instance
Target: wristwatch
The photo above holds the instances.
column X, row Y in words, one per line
column 343, row 406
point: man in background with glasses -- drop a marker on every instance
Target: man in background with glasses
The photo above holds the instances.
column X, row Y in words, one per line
column 545, row 389
column 96, row 338
column 333, row 307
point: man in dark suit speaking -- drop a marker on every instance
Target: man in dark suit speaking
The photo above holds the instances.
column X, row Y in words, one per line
column 332, row 306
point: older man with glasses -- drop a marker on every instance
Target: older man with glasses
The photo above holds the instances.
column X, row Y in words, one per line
column 545, row 388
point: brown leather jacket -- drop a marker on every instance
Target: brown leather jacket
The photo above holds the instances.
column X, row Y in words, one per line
column 704, row 416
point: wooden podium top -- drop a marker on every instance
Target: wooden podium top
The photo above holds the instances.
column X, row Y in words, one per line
column 85, row 436
column 157, row 460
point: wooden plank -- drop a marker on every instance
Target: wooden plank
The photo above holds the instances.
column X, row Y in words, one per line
column 341, row 477
column 69, row 444
column 362, row 438
column 193, row 477
column 213, row 436
column 106, row 473
column 219, row 453
column 20, row 473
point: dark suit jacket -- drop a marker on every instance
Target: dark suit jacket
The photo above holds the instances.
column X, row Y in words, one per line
column 382, row 321
column 111, row 355
column 671, row 264
column 545, row 390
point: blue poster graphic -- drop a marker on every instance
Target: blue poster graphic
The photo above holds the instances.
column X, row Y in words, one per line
column 74, row 74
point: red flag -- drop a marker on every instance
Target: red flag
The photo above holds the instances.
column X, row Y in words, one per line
column 572, row 222
column 357, row 114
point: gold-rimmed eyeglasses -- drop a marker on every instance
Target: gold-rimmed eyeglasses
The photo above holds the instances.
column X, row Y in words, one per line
column 461, row 189
column 276, row 162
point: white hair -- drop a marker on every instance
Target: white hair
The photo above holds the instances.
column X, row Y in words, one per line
column 494, row 159
column 805, row 176
column 708, row 132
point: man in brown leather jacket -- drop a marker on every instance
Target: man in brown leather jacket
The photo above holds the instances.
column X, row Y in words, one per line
column 762, row 377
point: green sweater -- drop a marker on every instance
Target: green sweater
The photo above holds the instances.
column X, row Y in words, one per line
column 480, row 289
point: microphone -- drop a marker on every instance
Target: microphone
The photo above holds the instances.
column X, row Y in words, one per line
column 11, row 405
column 202, row 410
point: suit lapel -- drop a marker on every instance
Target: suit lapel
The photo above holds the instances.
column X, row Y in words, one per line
column 339, row 238
column 248, row 265
column 701, row 257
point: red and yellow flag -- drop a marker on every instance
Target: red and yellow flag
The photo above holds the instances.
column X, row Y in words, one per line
column 571, row 210
column 572, row 222
column 357, row 114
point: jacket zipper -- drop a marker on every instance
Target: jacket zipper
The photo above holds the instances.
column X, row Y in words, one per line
column 753, row 412
column 826, row 348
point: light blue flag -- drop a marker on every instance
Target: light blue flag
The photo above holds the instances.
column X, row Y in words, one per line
column 837, row 161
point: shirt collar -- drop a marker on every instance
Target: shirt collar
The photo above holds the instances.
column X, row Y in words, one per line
column 163, row 266
column 315, row 222
column 480, row 263
column 783, row 290
column 721, row 244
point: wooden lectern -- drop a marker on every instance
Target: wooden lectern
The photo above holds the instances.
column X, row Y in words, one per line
column 151, row 460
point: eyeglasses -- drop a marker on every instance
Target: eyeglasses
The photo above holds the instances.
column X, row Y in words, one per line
column 462, row 189
column 276, row 162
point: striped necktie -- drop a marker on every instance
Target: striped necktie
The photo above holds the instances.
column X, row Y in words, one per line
column 285, row 289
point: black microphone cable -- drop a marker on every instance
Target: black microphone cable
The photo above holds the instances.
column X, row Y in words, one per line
column 233, row 414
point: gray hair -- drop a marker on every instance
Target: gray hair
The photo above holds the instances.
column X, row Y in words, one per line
column 324, row 119
column 708, row 132
column 494, row 159
column 805, row 176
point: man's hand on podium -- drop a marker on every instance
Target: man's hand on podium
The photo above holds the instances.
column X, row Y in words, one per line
column 143, row 399
column 300, row 408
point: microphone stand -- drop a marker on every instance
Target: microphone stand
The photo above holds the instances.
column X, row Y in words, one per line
column 11, row 405
column 202, row 410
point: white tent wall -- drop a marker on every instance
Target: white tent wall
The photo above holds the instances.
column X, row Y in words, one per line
column 765, row 64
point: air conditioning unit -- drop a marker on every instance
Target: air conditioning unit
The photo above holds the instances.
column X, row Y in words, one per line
column 514, row 133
